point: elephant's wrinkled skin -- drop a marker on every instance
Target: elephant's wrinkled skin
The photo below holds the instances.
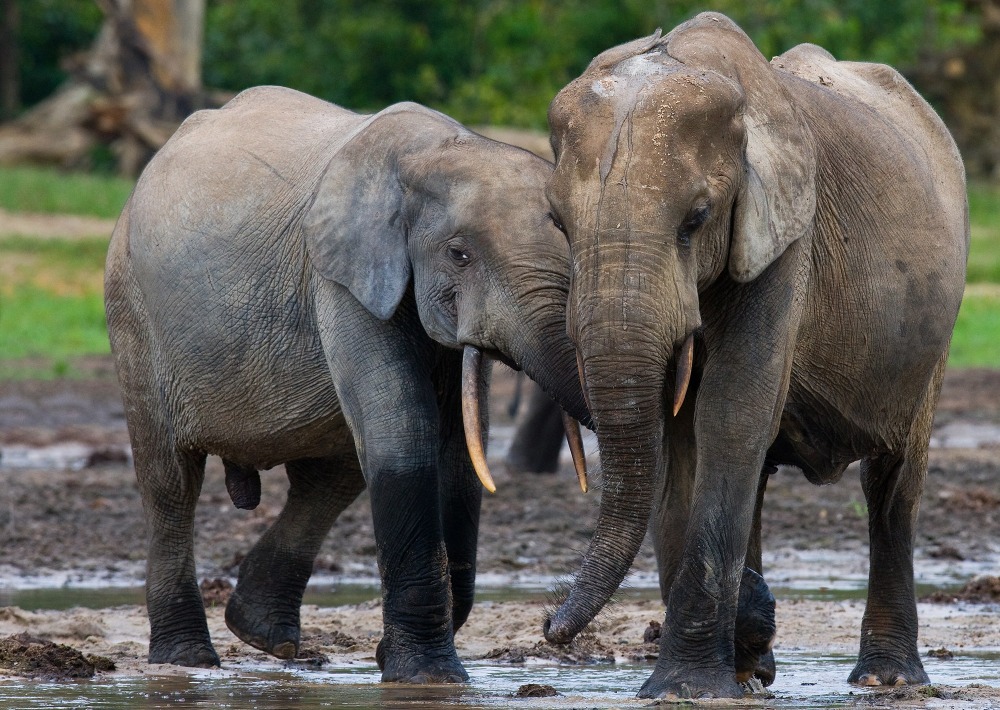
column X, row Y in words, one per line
column 288, row 284
column 803, row 222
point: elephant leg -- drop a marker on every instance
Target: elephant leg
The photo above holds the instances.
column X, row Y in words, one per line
column 382, row 371
column 170, row 483
column 893, row 485
column 673, row 490
column 460, row 490
column 264, row 608
column 539, row 437
column 755, row 624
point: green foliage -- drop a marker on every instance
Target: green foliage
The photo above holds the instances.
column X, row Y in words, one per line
column 30, row 189
column 502, row 61
column 976, row 341
column 51, row 32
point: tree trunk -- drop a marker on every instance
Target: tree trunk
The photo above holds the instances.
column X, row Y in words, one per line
column 128, row 94
column 10, row 88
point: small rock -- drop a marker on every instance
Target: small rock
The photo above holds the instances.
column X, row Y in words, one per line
column 535, row 690
column 652, row 632
column 215, row 592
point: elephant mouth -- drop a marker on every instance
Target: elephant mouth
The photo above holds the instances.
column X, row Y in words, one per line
column 472, row 396
column 493, row 354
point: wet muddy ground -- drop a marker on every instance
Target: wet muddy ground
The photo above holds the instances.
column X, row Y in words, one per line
column 70, row 517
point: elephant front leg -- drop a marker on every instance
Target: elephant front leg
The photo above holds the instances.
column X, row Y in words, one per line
column 697, row 649
column 755, row 623
column 418, row 642
column 461, row 492
column 264, row 608
column 382, row 371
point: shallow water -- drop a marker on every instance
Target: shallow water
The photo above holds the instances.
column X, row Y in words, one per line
column 804, row 681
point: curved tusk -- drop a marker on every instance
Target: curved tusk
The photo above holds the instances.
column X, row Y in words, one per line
column 583, row 381
column 575, row 440
column 685, row 361
column 471, row 368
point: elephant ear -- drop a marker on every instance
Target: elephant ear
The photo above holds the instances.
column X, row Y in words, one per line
column 354, row 229
column 778, row 199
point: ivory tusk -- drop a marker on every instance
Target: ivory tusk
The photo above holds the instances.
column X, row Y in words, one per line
column 575, row 440
column 685, row 361
column 471, row 370
column 583, row 381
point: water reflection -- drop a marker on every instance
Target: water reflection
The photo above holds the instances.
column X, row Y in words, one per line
column 804, row 681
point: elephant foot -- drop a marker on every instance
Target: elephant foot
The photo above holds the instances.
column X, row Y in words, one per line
column 755, row 630
column 256, row 625
column 190, row 655
column 690, row 684
column 881, row 670
column 400, row 665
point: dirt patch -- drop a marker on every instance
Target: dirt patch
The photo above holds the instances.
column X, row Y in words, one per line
column 54, row 226
column 980, row 590
column 25, row 655
column 88, row 524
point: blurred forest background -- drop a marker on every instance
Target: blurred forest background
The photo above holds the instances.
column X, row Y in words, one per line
column 89, row 89
column 496, row 62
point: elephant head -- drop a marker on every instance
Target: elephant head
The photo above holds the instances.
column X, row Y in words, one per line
column 681, row 162
column 412, row 197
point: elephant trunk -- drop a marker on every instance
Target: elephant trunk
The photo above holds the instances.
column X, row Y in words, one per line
column 533, row 334
column 630, row 452
column 630, row 341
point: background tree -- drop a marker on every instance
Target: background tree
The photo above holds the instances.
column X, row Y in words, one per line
column 124, row 97
column 500, row 61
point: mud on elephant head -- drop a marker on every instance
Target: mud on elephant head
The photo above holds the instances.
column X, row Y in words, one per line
column 768, row 259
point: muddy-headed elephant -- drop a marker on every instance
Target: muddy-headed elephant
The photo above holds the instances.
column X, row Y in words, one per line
column 291, row 282
column 768, row 260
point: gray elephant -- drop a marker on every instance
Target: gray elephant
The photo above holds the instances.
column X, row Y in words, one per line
column 291, row 282
column 779, row 249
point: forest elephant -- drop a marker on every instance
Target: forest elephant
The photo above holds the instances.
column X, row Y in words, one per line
column 768, row 261
column 291, row 282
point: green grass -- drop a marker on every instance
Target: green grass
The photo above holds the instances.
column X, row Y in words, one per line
column 976, row 341
column 35, row 322
column 30, row 189
column 984, row 218
column 51, row 301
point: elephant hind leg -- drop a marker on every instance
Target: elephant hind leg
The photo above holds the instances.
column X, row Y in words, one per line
column 264, row 608
column 893, row 484
column 169, row 481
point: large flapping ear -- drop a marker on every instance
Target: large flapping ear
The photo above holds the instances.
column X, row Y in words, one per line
column 354, row 230
column 778, row 199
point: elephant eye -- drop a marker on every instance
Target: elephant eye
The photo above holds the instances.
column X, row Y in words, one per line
column 557, row 223
column 459, row 256
column 696, row 217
